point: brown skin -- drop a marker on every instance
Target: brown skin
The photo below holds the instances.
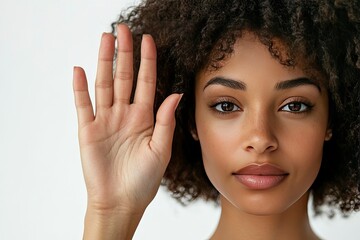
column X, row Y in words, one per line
column 124, row 157
column 260, row 128
column 322, row 36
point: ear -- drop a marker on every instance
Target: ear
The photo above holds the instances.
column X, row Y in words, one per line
column 329, row 134
column 194, row 134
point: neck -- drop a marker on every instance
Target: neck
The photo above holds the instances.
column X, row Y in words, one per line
column 290, row 224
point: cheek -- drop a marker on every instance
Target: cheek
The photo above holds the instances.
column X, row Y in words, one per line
column 216, row 146
column 220, row 148
column 306, row 141
column 217, row 138
column 214, row 164
column 302, row 154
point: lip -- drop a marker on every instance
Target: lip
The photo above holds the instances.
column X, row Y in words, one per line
column 260, row 176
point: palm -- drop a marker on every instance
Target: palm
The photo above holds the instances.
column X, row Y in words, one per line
column 123, row 155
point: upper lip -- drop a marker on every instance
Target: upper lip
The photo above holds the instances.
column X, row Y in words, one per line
column 261, row 169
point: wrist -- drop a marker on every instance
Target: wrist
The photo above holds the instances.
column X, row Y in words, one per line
column 111, row 224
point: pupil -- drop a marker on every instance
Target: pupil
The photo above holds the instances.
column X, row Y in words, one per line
column 295, row 106
column 227, row 107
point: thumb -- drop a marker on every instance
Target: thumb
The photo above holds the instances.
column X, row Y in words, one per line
column 161, row 141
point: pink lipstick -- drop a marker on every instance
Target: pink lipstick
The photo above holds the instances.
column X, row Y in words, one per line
column 260, row 177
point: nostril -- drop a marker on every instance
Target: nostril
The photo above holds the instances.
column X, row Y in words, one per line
column 249, row 148
column 270, row 148
column 259, row 141
column 261, row 148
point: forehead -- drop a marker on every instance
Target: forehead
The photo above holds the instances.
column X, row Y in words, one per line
column 250, row 53
column 250, row 59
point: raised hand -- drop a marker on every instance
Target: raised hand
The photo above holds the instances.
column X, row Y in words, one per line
column 123, row 155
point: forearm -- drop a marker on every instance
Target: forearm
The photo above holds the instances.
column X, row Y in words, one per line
column 110, row 226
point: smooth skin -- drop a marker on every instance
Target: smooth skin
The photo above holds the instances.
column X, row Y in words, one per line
column 267, row 113
column 123, row 155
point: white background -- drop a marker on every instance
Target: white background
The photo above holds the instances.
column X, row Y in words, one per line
column 42, row 193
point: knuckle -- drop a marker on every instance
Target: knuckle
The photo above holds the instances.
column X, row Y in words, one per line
column 103, row 84
column 81, row 104
column 82, row 99
column 124, row 76
column 147, row 78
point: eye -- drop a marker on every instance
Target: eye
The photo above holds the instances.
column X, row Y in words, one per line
column 296, row 107
column 225, row 107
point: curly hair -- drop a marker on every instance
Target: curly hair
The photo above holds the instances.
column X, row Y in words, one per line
column 193, row 35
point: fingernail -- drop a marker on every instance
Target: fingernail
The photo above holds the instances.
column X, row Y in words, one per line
column 180, row 97
column 146, row 36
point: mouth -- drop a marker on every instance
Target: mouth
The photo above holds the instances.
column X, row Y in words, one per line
column 260, row 177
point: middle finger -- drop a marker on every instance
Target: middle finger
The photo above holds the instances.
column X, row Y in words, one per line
column 123, row 80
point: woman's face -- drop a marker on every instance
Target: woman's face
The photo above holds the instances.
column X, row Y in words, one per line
column 261, row 127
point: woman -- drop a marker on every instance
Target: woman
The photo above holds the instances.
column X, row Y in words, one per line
column 269, row 114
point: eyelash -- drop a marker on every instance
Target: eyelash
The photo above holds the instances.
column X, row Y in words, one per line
column 219, row 102
column 304, row 104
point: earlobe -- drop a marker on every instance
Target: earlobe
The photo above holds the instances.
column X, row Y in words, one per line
column 328, row 135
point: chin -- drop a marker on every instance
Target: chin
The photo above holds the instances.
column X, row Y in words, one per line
column 266, row 210
column 265, row 204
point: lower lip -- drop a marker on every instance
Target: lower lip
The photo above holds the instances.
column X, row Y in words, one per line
column 260, row 182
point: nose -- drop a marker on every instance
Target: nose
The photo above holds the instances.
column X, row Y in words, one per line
column 259, row 134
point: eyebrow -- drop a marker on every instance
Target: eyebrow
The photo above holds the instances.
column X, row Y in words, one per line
column 235, row 84
column 297, row 82
column 240, row 85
